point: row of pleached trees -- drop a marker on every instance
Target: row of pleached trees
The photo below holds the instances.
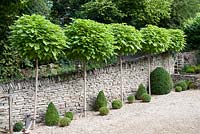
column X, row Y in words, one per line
column 38, row 39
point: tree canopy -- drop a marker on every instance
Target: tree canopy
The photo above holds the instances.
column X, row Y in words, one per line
column 127, row 39
column 37, row 38
column 104, row 11
column 89, row 40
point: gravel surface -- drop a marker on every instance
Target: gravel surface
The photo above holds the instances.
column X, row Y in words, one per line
column 174, row 113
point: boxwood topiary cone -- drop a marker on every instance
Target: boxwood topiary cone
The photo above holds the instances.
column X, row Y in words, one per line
column 141, row 90
column 101, row 101
column 51, row 116
column 161, row 81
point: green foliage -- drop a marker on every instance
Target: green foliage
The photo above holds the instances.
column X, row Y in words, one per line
column 103, row 111
column 65, row 121
column 161, row 81
column 18, row 127
column 37, row 7
column 155, row 39
column 142, row 12
column 116, row 104
column 104, row 11
column 192, row 31
column 37, row 38
column 178, row 88
column 101, row 101
column 190, row 70
column 51, row 116
column 182, row 84
column 131, row 98
column 89, row 41
column 181, row 10
column 69, row 115
column 141, row 90
column 146, row 97
column 177, row 42
column 127, row 39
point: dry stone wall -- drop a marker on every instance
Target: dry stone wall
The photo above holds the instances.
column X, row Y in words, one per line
column 66, row 91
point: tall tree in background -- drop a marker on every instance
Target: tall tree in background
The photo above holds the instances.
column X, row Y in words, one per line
column 181, row 11
column 63, row 9
column 10, row 61
column 104, row 11
column 142, row 12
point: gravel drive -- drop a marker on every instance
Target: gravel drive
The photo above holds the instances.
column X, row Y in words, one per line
column 174, row 113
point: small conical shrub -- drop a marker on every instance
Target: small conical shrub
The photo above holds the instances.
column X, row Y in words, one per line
column 51, row 116
column 141, row 90
column 101, row 101
column 161, row 81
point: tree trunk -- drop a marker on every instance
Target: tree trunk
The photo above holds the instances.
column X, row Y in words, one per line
column 169, row 63
column 149, row 73
column 10, row 99
column 121, row 79
column 36, row 89
column 85, row 88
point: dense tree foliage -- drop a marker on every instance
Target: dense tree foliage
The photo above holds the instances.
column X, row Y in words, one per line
column 104, row 11
column 181, row 10
column 193, row 33
column 10, row 60
column 142, row 12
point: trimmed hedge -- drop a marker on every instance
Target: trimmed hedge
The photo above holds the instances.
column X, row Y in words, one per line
column 161, row 81
column 140, row 91
column 18, row 127
column 131, row 98
column 51, row 116
column 101, row 101
column 65, row 121
column 116, row 104
column 182, row 84
column 103, row 111
column 178, row 89
column 69, row 115
column 146, row 97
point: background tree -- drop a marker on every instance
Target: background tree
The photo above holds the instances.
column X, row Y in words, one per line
column 63, row 9
column 10, row 61
column 142, row 12
column 127, row 41
column 181, row 10
column 37, row 39
column 88, row 41
column 104, row 11
column 155, row 40
column 192, row 32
